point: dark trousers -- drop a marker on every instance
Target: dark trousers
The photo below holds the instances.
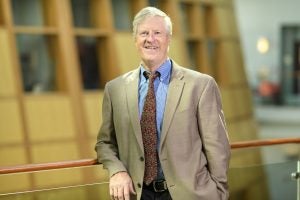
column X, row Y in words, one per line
column 151, row 195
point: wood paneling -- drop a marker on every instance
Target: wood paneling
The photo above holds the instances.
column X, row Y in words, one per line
column 49, row 117
column 7, row 83
column 126, row 52
column 14, row 183
column 12, row 155
column 93, row 108
column 49, row 179
column 11, row 130
column 178, row 51
column 1, row 15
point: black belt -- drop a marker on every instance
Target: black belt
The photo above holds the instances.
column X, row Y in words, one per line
column 156, row 186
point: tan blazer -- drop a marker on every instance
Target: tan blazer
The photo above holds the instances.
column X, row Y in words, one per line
column 194, row 150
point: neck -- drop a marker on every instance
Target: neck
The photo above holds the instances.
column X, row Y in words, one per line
column 152, row 66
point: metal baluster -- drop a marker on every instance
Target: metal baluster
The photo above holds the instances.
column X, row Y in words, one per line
column 296, row 176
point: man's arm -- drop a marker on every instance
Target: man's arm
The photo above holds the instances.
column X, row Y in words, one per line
column 214, row 135
column 120, row 183
column 106, row 146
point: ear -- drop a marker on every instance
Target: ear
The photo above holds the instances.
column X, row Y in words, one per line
column 169, row 39
column 135, row 42
column 169, row 42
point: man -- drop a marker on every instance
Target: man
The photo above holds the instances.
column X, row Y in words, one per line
column 192, row 148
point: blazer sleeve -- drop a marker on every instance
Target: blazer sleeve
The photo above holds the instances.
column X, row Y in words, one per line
column 214, row 136
column 106, row 146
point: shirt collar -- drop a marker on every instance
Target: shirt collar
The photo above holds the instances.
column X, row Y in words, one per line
column 164, row 71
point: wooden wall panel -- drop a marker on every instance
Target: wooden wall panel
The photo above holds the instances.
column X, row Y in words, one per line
column 9, row 156
column 11, row 129
column 1, row 15
column 91, row 145
column 126, row 52
column 205, row 60
column 70, row 193
column 228, row 103
column 51, row 152
column 233, row 131
column 93, row 109
column 226, row 26
column 178, row 51
column 243, row 95
column 56, row 178
column 14, row 183
column 104, row 18
column 240, row 109
column 7, row 83
column 230, row 71
column 12, row 155
column 49, row 117
column 237, row 103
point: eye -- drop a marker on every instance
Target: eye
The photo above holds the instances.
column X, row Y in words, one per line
column 143, row 33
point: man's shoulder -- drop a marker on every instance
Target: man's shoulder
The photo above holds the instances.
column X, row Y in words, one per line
column 124, row 78
column 192, row 74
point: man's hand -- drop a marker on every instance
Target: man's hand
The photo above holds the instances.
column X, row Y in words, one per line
column 120, row 186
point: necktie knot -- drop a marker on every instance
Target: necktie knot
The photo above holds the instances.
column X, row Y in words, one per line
column 151, row 76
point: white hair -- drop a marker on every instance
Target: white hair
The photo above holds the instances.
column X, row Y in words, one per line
column 150, row 12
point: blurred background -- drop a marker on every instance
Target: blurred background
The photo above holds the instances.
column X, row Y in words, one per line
column 57, row 55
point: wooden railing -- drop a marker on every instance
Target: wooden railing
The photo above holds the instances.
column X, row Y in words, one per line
column 266, row 142
column 90, row 162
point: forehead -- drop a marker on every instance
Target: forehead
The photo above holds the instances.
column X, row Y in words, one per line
column 152, row 23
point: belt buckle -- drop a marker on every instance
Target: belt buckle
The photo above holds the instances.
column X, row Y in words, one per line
column 160, row 182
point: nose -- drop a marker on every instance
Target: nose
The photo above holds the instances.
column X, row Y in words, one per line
column 150, row 37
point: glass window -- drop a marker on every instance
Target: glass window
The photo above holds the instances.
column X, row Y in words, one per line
column 192, row 51
column 122, row 14
column 154, row 3
column 211, row 46
column 28, row 12
column 290, row 59
column 89, row 65
column 81, row 14
column 184, row 18
column 208, row 21
column 37, row 66
column 187, row 18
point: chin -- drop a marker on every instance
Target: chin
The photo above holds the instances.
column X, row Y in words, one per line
column 149, row 58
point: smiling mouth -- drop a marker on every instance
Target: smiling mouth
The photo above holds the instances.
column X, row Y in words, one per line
column 150, row 47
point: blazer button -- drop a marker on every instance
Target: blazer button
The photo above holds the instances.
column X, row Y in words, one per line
column 142, row 158
column 139, row 185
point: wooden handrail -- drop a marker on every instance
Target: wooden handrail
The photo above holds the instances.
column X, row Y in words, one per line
column 90, row 162
column 48, row 166
column 266, row 142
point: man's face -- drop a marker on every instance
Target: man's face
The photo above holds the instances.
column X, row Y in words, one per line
column 152, row 41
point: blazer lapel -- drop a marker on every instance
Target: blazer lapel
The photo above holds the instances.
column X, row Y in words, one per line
column 132, row 104
column 174, row 93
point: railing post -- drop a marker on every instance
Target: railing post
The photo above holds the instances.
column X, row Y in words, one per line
column 296, row 176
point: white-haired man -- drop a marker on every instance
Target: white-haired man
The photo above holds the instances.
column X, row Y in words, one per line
column 168, row 108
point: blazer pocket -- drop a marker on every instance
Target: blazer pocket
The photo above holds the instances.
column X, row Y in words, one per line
column 203, row 177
